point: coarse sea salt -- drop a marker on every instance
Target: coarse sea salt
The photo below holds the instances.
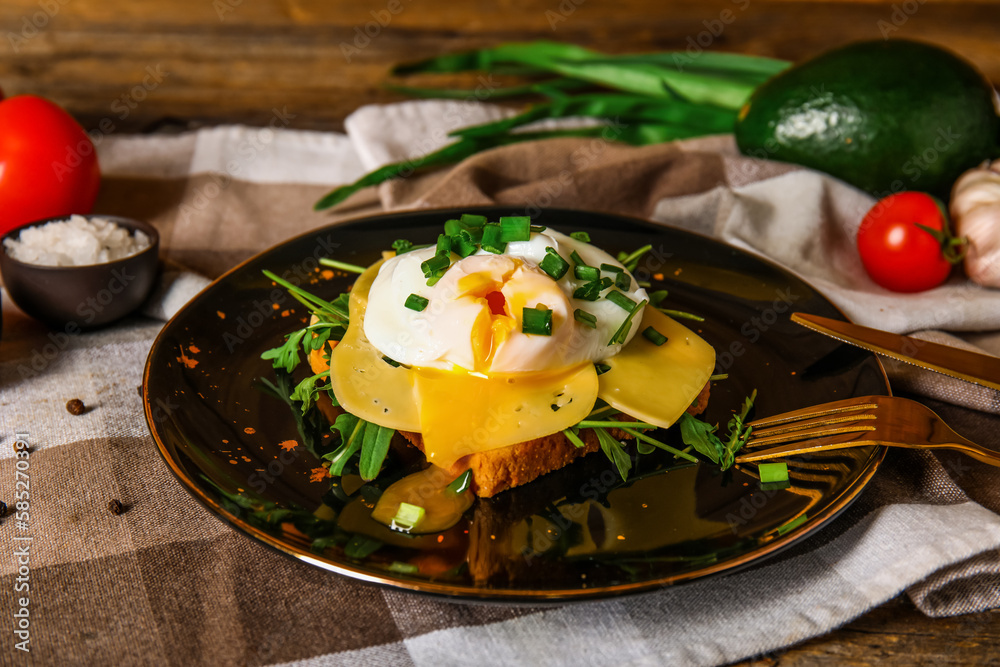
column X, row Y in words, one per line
column 78, row 241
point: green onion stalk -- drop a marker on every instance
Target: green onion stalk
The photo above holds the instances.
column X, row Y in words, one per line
column 648, row 98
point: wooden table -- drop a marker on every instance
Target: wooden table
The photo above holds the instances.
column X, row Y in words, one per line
column 123, row 66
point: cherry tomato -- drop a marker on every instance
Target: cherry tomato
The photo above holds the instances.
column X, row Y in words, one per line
column 48, row 165
column 898, row 254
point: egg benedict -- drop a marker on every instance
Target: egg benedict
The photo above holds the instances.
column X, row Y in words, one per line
column 488, row 349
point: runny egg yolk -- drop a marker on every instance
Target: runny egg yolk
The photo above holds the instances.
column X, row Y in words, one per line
column 501, row 288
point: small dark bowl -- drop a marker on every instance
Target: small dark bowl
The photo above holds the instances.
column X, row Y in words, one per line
column 77, row 298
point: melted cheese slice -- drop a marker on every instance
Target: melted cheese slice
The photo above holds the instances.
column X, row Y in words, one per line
column 657, row 383
column 464, row 413
column 364, row 384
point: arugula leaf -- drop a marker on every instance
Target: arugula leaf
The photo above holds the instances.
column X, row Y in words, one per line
column 306, row 391
column 287, row 355
column 373, row 450
column 738, row 432
column 615, row 451
column 701, row 436
column 351, row 431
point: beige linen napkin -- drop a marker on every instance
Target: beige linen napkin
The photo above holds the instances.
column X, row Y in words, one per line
column 166, row 583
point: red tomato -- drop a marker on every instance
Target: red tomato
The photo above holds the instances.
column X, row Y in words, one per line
column 898, row 254
column 48, row 165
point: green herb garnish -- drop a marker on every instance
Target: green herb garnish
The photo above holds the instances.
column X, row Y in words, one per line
column 416, row 302
column 620, row 300
column 515, row 228
column 343, row 266
column 588, row 273
column 493, row 239
column 654, row 336
column 585, row 318
column 592, row 291
column 536, row 321
column 461, row 483
column 580, row 236
column 553, row 264
column 408, row 517
column 626, row 326
column 773, row 472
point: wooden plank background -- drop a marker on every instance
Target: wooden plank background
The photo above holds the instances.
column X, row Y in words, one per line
column 235, row 60
column 133, row 66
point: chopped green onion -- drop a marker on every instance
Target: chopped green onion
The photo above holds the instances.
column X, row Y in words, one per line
column 718, row 376
column 463, row 244
column 391, row 362
column 343, row 266
column 435, row 267
column 575, row 256
column 773, row 472
column 470, row 220
column 432, row 280
column 443, row 245
column 416, row 302
column 611, row 268
column 452, row 227
column 623, row 281
column 584, row 272
column 654, row 336
column 492, row 239
column 537, row 228
column 536, row 321
column 403, row 568
column 592, row 291
column 580, row 236
column 402, row 246
column 620, row 300
column 461, row 483
column 408, row 517
column 554, row 264
column 657, row 297
column 626, row 326
column 585, row 318
column 601, row 368
column 631, row 261
column 515, row 228
column 681, row 315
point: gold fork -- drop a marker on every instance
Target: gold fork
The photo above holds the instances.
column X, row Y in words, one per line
column 865, row 420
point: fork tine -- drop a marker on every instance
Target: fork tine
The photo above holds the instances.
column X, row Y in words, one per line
column 840, row 441
column 811, row 428
column 826, row 409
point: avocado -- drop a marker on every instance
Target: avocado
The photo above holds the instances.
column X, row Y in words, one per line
column 885, row 116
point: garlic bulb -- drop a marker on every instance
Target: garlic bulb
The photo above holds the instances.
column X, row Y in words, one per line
column 975, row 213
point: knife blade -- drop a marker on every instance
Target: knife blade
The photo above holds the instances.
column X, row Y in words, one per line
column 972, row 367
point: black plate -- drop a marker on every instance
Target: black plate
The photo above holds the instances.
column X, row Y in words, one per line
column 577, row 533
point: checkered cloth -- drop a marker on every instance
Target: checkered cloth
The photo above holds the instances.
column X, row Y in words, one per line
column 167, row 583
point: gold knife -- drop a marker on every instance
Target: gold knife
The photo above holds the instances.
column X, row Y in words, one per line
column 972, row 367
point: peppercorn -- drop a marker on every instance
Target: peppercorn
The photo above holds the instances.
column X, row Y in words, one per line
column 115, row 506
column 75, row 406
